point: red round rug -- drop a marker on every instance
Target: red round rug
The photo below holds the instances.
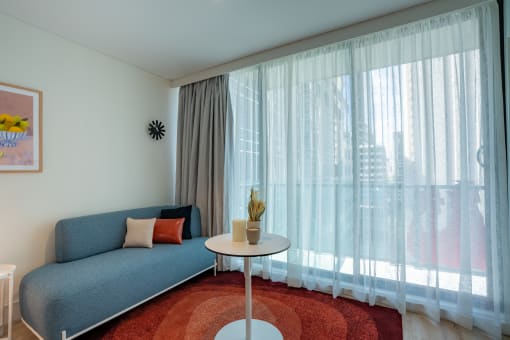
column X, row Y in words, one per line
column 200, row 308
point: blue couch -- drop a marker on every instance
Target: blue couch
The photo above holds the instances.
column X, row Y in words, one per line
column 94, row 279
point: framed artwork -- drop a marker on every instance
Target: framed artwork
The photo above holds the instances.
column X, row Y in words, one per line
column 20, row 129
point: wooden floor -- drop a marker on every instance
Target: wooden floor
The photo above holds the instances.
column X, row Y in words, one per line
column 416, row 327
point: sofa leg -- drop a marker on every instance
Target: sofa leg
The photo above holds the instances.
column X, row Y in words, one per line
column 64, row 336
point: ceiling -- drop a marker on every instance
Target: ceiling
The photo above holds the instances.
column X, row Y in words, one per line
column 173, row 38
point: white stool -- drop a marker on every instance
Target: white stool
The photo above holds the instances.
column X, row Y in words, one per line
column 7, row 272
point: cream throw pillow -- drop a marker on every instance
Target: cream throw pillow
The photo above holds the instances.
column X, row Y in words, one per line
column 139, row 233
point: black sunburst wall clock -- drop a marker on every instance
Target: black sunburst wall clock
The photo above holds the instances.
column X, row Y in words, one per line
column 156, row 130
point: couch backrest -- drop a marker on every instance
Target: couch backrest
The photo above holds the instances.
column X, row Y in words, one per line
column 80, row 237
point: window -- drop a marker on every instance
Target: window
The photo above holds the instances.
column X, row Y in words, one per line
column 378, row 158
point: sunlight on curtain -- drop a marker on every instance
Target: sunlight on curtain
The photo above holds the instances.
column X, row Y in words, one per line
column 382, row 160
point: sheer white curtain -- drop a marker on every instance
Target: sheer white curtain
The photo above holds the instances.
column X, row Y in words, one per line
column 382, row 160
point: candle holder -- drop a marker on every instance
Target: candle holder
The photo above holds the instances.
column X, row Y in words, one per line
column 238, row 230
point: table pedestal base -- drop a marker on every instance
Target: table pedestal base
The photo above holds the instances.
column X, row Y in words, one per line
column 259, row 330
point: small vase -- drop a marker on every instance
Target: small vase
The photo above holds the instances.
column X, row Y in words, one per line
column 253, row 231
column 253, row 235
column 253, row 224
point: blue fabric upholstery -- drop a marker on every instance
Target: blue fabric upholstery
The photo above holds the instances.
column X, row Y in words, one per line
column 80, row 237
column 196, row 224
column 77, row 294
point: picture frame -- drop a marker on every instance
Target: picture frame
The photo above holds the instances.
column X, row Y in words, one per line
column 20, row 129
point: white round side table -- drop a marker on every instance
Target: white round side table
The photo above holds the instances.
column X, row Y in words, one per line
column 269, row 244
column 7, row 273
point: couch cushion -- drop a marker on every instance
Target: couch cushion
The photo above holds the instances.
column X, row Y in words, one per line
column 139, row 232
column 178, row 213
column 168, row 230
column 196, row 223
column 75, row 295
column 79, row 237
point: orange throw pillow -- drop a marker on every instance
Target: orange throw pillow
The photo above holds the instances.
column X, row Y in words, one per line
column 168, row 230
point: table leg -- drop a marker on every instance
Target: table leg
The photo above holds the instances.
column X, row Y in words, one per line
column 9, row 322
column 2, row 284
column 247, row 288
column 254, row 329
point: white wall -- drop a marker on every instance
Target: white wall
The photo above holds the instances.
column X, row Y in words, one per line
column 97, row 156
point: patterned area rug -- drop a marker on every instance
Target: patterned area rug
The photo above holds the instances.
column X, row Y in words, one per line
column 200, row 308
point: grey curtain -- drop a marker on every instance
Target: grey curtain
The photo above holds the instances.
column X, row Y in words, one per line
column 201, row 149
